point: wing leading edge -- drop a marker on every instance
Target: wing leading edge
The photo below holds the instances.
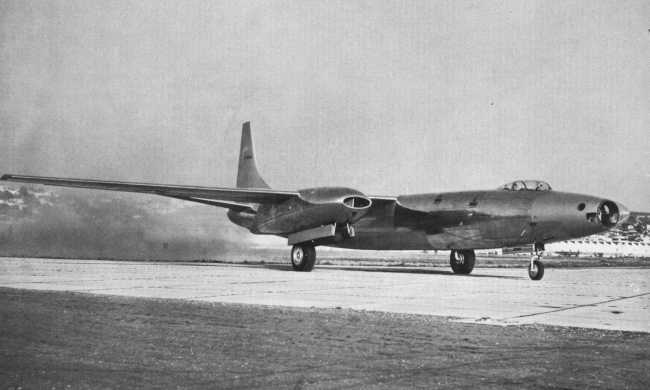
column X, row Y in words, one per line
column 232, row 198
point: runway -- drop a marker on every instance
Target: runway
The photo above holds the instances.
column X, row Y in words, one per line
column 602, row 298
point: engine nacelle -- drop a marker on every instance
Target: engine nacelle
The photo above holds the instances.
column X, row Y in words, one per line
column 352, row 199
column 315, row 207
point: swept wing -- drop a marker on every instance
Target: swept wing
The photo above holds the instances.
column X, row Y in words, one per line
column 232, row 198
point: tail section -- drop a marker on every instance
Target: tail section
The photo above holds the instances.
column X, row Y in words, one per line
column 247, row 175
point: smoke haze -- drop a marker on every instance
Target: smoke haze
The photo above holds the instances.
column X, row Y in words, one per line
column 78, row 224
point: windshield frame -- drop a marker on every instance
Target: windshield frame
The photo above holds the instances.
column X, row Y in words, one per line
column 527, row 185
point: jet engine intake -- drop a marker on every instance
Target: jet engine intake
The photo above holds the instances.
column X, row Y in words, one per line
column 357, row 202
column 608, row 213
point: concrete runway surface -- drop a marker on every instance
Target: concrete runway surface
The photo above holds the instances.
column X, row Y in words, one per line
column 604, row 298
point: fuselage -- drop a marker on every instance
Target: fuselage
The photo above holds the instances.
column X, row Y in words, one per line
column 451, row 220
column 478, row 220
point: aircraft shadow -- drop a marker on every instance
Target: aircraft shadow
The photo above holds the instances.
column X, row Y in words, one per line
column 282, row 267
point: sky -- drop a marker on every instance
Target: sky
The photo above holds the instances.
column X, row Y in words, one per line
column 390, row 97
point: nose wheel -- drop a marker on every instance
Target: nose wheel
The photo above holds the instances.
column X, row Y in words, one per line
column 536, row 267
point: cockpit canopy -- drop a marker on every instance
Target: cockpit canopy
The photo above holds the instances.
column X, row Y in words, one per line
column 526, row 185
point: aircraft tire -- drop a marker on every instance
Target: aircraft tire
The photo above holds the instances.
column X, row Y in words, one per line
column 303, row 257
column 536, row 270
column 462, row 261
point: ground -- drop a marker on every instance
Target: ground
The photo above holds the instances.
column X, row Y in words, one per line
column 72, row 340
column 605, row 298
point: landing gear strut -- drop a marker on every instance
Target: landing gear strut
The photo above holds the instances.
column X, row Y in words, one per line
column 303, row 257
column 462, row 261
column 536, row 267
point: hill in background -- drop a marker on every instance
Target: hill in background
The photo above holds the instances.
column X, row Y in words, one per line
column 35, row 222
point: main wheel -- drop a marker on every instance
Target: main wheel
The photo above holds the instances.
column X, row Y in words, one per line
column 462, row 261
column 303, row 257
column 536, row 270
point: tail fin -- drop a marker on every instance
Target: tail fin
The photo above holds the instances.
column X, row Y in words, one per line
column 247, row 175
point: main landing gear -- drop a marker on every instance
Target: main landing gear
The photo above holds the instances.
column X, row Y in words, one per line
column 303, row 257
column 462, row 261
column 536, row 267
column 303, row 253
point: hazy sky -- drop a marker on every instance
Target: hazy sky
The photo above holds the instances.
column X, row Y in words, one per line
column 387, row 97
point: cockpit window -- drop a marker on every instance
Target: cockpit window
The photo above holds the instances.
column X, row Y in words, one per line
column 527, row 185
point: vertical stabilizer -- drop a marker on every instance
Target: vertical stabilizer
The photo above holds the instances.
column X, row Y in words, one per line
column 247, row 175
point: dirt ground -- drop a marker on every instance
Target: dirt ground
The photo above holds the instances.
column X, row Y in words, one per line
column 69, row 340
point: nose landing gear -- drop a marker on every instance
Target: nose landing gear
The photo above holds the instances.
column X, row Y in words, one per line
column 536, row 267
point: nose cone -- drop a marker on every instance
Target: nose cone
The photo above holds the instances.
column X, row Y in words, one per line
column 564, row 215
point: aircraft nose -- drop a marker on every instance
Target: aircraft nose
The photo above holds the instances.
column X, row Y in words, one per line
column 624, row 214
column 610, row 213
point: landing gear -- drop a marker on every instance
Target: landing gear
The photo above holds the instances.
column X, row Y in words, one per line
column 462, row 261
column 303, row 257
column 536, row 267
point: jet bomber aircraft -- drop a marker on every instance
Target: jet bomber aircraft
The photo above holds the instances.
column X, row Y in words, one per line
column 524, row 212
